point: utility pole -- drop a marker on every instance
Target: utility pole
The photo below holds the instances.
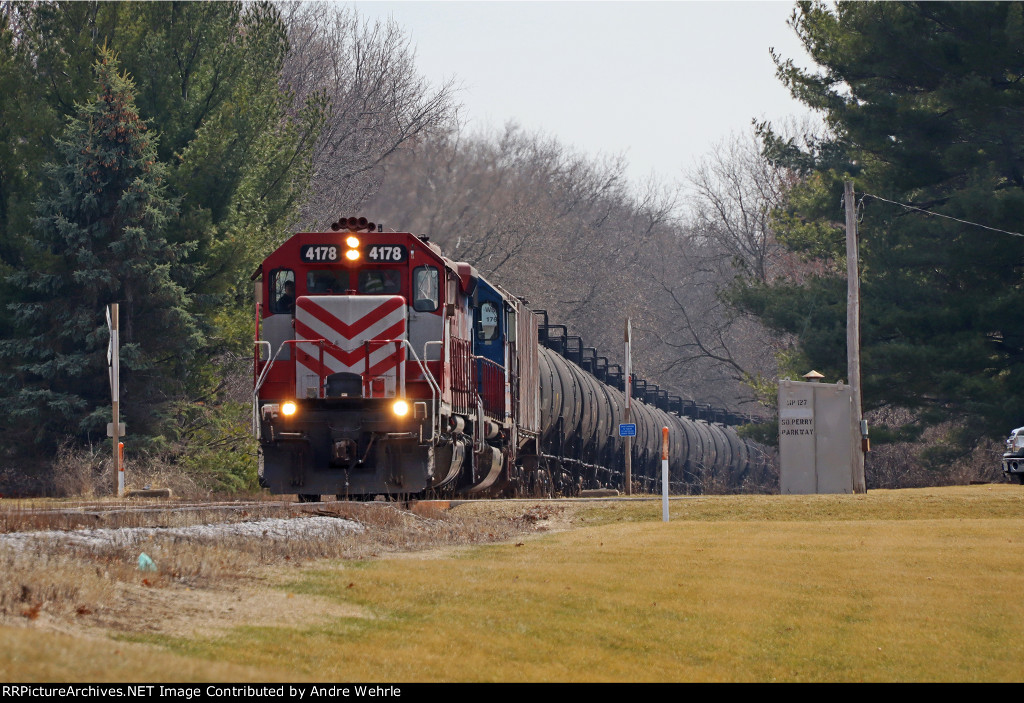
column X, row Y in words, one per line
column 113, row 359
column 853, row 337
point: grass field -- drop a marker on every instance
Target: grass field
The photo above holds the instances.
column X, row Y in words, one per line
column 912, row 585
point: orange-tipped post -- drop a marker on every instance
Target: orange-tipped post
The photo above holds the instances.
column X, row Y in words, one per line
column 664, row 474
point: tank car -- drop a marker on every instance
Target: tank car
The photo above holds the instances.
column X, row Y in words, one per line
column 384, row 368
column 579, row 446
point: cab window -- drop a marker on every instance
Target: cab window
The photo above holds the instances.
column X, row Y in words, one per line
column 282, row 291
column 380, row 281
column 488, row 323
column 425, row 289
column 326, row 282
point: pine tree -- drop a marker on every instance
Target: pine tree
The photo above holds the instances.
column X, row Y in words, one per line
column 101, row 239
column 926, row 103
column 234, row 145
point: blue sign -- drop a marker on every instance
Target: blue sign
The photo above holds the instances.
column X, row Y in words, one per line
column 627, row 430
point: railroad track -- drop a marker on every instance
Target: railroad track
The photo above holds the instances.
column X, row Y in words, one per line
column 44, row 515
column 34, row 515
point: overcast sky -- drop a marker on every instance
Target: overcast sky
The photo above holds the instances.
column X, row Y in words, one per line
column 660, row 82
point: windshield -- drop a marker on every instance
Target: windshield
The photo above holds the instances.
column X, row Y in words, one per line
column 328, row 281
column 380, row 281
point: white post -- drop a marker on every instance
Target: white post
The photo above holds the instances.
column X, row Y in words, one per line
column 629, row 407
column 664, row 474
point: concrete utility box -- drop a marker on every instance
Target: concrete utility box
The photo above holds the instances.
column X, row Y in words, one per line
column 815, row 443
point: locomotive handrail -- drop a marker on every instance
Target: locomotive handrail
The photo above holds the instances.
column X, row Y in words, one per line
column 426, row 344
column 259, row 383
column 366, row 367
column 479, row 442
column 493, row 394
column 263, row 377
column 269, row 349
column 256, row 337
column 435, row 389
column 435, row 432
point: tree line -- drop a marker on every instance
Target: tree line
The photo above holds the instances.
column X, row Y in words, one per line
column 923, row 102
column 736, row 275
column 151, row 154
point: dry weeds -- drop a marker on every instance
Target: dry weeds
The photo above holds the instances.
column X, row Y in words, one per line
column 202, row 582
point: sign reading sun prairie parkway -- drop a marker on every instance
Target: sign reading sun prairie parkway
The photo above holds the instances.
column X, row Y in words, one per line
column 814, row 437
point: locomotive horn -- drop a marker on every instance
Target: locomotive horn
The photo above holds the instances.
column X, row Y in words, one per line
column 362, row 222
column 353, row 223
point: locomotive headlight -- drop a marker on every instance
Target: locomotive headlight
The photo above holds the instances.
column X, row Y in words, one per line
column 400, row 408
column 352, row 254
column 352, row 242
column 288, row 409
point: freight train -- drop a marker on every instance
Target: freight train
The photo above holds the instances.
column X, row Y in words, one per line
column 383, row 368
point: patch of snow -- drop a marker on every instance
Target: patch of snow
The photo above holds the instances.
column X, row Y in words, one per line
column 266, row 528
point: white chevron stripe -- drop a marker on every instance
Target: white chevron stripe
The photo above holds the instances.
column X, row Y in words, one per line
column 307, row 377
column 357, row 369
column 322, row 330
column 335, row 366
column 350, row 310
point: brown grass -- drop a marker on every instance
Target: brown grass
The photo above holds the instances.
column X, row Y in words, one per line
column 889, row 586
column 63, row 579
column 44, row 656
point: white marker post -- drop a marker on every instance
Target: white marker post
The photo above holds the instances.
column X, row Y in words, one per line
column 664, row 474
column 629, row 406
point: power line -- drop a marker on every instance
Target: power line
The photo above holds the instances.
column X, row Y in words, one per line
column 939, row 214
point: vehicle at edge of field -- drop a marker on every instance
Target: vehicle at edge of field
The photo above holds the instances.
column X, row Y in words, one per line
column 1013, row 457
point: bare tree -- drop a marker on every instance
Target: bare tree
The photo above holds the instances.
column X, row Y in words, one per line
column 734, row 193
column 533, row 216
column 573, row 235
column 708, row 345
column 480, row 197
column 377, row 103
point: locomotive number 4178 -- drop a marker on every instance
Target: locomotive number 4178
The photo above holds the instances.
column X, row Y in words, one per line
column 319, row 252
column 330, row 253
column 386, row 252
